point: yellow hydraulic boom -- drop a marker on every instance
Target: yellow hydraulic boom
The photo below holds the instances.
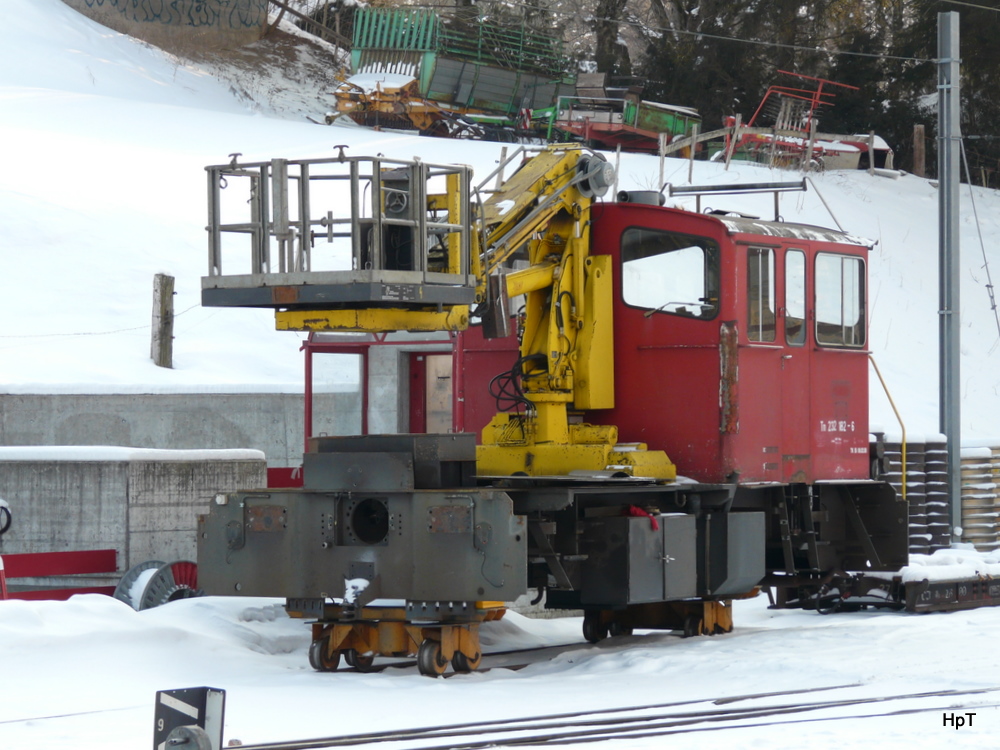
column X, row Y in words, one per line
column 566, row 354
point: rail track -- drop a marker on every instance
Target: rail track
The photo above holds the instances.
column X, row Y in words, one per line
column 644, row 722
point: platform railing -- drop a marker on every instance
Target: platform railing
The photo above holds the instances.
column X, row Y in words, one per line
column 381, row 220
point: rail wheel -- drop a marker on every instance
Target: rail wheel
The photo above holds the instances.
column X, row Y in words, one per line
column 463, row 663
column 319, row 659
column 593, row 629
column 361, row 662
column 430, row 662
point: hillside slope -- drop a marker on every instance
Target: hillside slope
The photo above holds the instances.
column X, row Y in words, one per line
column 106, row 140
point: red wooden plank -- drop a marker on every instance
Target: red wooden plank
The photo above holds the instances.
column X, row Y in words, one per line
column 59, row 594
column 33, row 564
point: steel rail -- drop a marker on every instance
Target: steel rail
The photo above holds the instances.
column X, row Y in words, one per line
column 615, row 728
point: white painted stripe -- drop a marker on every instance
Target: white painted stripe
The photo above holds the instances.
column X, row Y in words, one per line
column 185, row 708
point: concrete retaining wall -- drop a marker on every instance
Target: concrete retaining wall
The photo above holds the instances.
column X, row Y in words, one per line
column 181, row 25
column 144, row 504
column 271, row 422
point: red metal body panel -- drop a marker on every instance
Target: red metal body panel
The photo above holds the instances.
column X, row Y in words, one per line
column 417, row 391
column 279, row 477
column 479, row 361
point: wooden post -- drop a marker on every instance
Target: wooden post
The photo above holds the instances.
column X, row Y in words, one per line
column 618, row 166
column 662, row 144
column 871, row 152
column 162, row 347
column 731, row 146
column 694, row 141
column 919, row 152
column 807, row 162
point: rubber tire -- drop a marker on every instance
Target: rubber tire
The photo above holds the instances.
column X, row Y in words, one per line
column 463, row 663
column 594, row 630
column 318, row 659
column 692, row 626
column 361, row 662
column 618, row 628
column 430, row 662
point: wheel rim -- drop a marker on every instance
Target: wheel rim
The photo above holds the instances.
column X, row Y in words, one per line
column 319, row 659
column 429, row 659
column 463, row 663
column 361, row 662
column 692, row 626
column 594, row 630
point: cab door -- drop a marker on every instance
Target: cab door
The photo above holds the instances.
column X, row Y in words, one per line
column 774, row 366
column 794, row 375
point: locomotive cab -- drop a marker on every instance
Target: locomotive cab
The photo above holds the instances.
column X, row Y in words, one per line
column 740, row 344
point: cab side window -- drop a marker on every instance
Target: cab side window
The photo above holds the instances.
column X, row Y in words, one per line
column 795, row 298
column 670, row 272
column 760, row 294
column 840, row 300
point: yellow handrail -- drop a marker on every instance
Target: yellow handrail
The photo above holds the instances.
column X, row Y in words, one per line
column 898, row 418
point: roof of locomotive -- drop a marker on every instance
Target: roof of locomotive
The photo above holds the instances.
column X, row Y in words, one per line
column 735, row 223
column 739, row 224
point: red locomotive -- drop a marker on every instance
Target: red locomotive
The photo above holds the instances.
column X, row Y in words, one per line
column 683, row 411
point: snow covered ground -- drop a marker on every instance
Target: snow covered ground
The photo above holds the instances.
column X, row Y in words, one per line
column 102, row 186
column 84, row 674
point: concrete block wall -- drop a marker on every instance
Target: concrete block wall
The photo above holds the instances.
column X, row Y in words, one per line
column 181, row 25
column 268, row 422
column 142, row 503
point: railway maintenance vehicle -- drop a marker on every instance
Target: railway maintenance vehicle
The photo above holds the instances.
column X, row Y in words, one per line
column 684, row 416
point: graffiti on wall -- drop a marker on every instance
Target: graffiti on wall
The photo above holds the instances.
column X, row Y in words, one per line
column 218, row 14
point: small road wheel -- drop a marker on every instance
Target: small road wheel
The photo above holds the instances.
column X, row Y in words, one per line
column 692, row 626
column 319, row 659
column 430, row 662
column 617, row 628
column 361, row 662
column 593, row 629
column 463, row 663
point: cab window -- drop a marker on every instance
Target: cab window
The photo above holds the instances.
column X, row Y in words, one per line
column 795, row 298
column 670, row 272
column 760, row 294
column 840, row 300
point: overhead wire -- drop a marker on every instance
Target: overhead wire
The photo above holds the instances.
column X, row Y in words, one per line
column 89, row 333
column 982, row 244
